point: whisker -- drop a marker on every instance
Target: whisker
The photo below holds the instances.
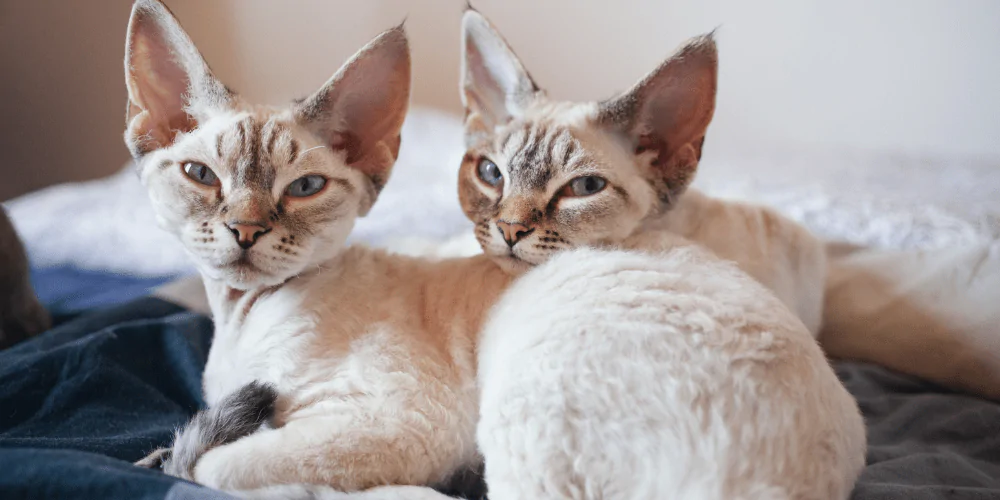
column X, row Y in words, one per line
column 310, row 149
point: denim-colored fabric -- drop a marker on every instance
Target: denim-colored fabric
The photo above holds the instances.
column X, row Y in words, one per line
column 84, row 400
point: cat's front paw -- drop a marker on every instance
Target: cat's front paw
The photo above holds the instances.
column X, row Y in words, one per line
column 220, row 469
column 155, row 460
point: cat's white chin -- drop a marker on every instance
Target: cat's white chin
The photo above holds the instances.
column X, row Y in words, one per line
column 254, row 281
column 512, row 264
column 244, row 275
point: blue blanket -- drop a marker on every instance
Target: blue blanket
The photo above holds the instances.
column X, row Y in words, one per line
column 105, row 386
column 81, row 402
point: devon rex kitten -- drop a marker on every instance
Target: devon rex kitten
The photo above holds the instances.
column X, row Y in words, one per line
column 367, row 358
column 542, row 175
column 370, row 360
column 671, row 378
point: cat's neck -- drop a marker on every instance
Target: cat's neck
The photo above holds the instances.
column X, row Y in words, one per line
column 686, row 218
column 231, row 305
column 465, row 286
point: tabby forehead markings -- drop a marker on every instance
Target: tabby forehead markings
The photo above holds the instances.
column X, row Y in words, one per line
column 273, row 130
column 218, row 146
column 252, row 149
column 293, row 150
column 533, row 150
column 249, row 167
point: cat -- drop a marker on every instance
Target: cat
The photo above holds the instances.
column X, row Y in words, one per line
column 535, row 154
column 21, row 315
column 370, row 357
column 672, row 375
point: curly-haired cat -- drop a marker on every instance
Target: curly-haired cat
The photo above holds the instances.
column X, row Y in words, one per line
column 371, row 356
column 676, row 376
column 370, row 360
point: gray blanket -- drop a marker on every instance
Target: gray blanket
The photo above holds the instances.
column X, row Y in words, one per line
column 924, row 443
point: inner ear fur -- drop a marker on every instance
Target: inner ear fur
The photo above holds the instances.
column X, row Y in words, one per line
column 495, row 86
column 667, row 113
column 170, row 86
column 361, row 109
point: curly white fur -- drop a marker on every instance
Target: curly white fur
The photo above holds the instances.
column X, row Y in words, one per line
column 611, row 375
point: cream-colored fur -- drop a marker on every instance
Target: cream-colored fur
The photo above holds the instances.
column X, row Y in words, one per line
column 776, row 251
column 930, row 313
column 373, row 356
column 673, row 375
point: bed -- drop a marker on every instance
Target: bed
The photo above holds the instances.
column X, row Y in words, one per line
column 121, row 368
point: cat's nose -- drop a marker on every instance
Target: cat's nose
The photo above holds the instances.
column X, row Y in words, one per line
column 513, row 231
column 246, row 233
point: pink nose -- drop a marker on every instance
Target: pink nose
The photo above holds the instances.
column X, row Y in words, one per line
column 246, row 233
column 513, row 231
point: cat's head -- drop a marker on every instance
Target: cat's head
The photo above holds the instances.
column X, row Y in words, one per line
column 542, row 175
column 258, row 194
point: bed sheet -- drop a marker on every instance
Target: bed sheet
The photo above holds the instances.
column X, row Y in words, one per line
column 67, row 290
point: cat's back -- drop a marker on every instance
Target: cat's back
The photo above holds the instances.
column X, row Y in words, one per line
column 622, row 375
column 773, row 249
column 376, row 287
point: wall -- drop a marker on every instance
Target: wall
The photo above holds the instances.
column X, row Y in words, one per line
column 62, row 94
column 913, row 76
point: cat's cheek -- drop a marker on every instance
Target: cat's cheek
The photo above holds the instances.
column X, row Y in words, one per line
column 170, row 209
column 170, row 222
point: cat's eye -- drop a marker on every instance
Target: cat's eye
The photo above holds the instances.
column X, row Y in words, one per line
column 306, row 186
column 200, row 174
column 489, row 172
column 585, row 186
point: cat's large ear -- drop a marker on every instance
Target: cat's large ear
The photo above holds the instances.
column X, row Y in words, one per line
column 666, row 115
column 360, row 110
column 170, row 87
column 495, row 85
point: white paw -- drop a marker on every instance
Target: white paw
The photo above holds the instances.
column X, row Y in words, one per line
column 213, row 470
column 403, row 492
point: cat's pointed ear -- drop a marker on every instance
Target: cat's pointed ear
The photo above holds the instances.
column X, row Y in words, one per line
column 360, row 110
column 170, row 87
column 495, row 85
column 666, row 115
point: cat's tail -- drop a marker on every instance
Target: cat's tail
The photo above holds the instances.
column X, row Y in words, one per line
column 237, row 415
column 309, row 492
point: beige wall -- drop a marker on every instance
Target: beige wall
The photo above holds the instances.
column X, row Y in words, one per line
column 915, row 76
column 62, row 96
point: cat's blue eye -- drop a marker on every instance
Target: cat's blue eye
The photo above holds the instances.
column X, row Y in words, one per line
column 489, row 172
column 585, row 186
column 306, row 186
column 201, row 174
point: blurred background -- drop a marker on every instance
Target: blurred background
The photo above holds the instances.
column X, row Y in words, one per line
column 914, row 77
